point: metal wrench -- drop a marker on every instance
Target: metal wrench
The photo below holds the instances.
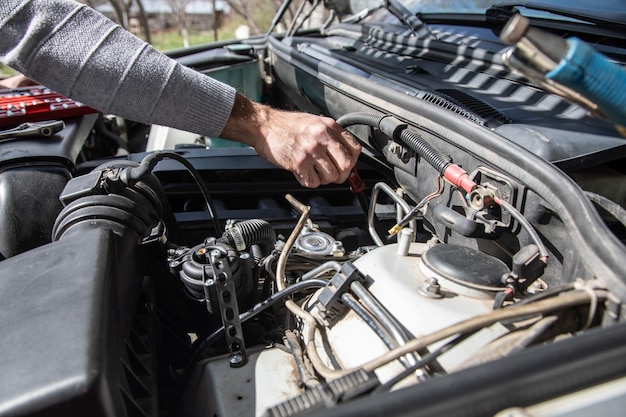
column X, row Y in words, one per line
column 30, row 129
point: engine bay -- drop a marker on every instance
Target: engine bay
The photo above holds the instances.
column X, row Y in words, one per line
column 469, row 266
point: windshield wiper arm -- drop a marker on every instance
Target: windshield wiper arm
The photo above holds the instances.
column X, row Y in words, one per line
column 418, row 28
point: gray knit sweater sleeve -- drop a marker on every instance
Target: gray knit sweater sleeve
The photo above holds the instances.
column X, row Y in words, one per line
column 77, row 52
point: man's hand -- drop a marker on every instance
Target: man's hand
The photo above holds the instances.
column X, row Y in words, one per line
column 316, row 149
column 16, row 81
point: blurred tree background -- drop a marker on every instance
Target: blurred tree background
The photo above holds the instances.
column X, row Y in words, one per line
column 172, row 24
column 169, row 24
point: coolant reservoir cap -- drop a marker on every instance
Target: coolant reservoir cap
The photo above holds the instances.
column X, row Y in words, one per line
column 315, row 243
column 466, row 266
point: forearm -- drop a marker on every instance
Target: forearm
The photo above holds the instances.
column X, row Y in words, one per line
column 79, row 53
column 248, row 121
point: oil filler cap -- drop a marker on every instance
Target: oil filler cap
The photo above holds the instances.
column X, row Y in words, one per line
column 465, row 266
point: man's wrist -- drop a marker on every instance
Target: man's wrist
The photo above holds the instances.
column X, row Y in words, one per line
column 248, row 121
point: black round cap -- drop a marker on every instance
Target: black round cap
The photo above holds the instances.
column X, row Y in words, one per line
column 466, row 266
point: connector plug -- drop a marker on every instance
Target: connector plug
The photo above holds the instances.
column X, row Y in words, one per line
column 329, row 302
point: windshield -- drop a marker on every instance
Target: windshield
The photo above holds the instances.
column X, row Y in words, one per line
column 447, row 6
column 480, row 6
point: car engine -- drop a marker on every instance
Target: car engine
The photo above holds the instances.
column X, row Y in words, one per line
column 469, row 266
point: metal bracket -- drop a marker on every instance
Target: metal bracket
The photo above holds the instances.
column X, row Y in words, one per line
column 229, row 309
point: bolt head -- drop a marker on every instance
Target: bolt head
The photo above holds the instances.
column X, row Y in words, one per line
column 235, row 359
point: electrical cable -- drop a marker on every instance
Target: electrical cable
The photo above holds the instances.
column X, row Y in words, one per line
column 211, row 339
column 398, row 130
column 571, row 299
column 375, row 316
column 384, row 316
column 367, row 317
column 202, row 345
column 543, row 251
column 132, row 175
column 305, row 316
column 502, row 296
column 550, row 292
column 407, row 218
column 424, row 361
column 395, row 129
column 307, row 379
column 563, row 195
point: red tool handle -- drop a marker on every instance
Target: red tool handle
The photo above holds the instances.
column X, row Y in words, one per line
column 356, row 182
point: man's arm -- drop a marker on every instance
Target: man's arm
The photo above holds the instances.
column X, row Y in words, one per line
column 76, row 51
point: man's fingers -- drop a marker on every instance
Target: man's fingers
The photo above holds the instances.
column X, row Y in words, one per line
column 352, row 145
column 328, row 170
column 346, row 138
column 309, row 180
column 343, row 159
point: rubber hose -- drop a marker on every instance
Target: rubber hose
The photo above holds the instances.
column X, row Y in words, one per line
column 149, row 187
column 610, row 206
column 414, row 141
column 109, row 211
column 359, row 119
column 253, row 232
column 430, row 155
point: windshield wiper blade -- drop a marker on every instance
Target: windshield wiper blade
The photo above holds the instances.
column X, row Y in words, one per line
column 418, row 28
